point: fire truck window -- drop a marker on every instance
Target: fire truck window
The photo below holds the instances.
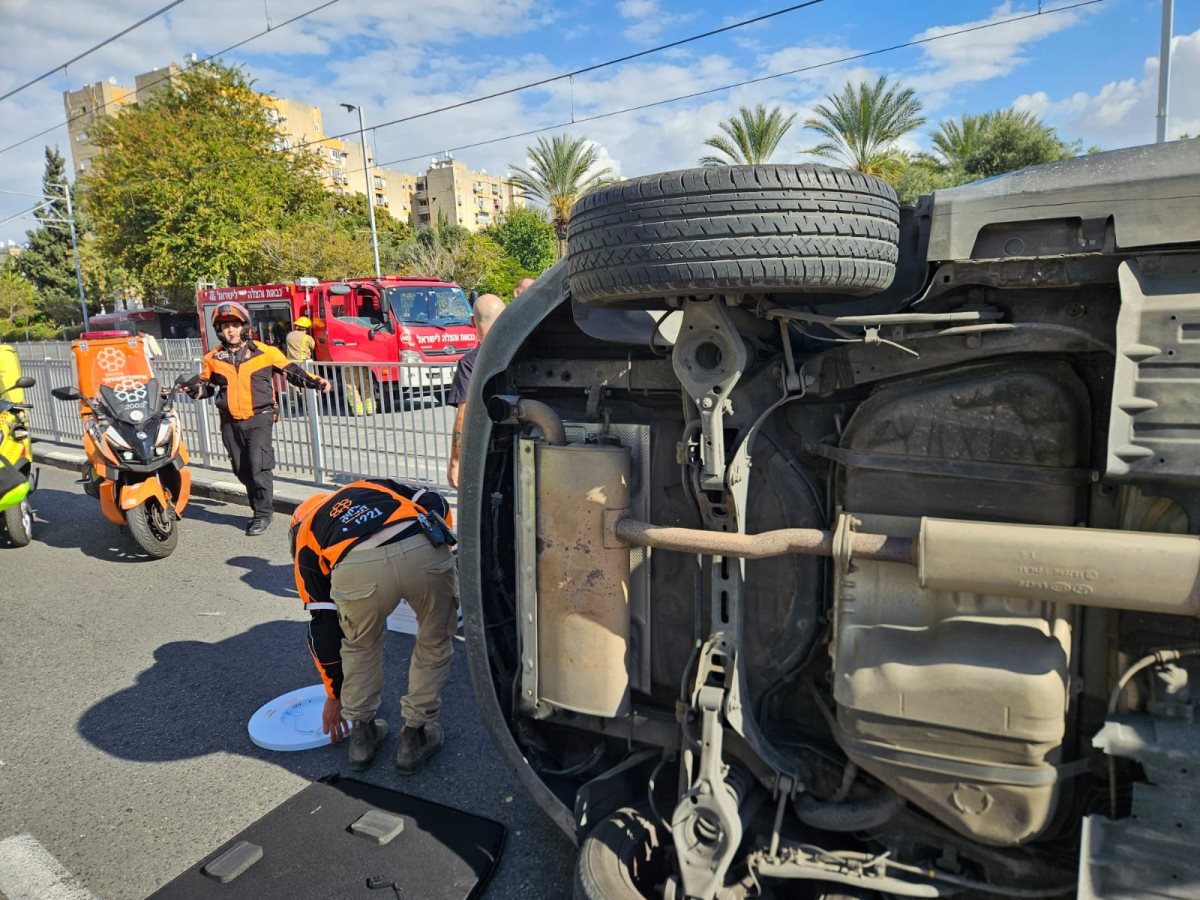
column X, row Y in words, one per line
column 424, row 308
column 369, row 312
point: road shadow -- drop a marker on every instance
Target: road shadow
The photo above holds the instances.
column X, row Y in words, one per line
column 262, row 575
column 217, row 512
column 73, row 521
column 197, row 698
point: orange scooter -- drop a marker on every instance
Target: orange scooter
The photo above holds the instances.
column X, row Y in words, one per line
column 137, row 459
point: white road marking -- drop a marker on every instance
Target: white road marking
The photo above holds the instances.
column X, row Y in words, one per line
column 29, row 872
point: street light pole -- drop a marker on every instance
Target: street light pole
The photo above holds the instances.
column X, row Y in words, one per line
column 362, row 136
column 1164, row 69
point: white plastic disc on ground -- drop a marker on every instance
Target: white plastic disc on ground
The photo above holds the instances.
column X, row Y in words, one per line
column 291, row 721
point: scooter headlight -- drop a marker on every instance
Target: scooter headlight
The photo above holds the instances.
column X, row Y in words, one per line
column 162, row 441
column 114, row 437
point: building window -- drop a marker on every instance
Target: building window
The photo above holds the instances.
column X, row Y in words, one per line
column 378, row 183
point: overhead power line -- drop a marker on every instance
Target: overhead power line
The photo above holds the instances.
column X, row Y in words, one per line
column 727, row 87
column 108, row 40
column 617, row 112
column 524, row 87
column 159, row 80
column 568, row 75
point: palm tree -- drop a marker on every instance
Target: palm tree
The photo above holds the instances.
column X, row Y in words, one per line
column 750, row 137
column 955, row 140
column 862, row 123
column 563, row 169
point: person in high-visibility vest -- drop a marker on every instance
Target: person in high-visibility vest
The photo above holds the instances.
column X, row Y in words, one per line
column 240, row 374
column 299, row 342
column 357, row 552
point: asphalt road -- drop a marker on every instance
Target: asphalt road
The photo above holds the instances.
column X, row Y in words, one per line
column 127, row 686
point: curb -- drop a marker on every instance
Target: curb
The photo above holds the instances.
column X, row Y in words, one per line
column 208, row 483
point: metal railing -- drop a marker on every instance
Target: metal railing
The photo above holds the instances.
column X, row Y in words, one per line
column 172, row 348
column 378, row 421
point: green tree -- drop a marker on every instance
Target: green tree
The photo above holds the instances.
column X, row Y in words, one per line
column 321, row 248
column 48, row 262
column 455, row 255
column 922, row 175
column 956, row 139
column 18, row 303
column 528, row 237
column 561, row 170
column 502, row 278
column 750, row 137
column 1014, row 140
column 980, row 146
column 861, row 125
column 185, row 185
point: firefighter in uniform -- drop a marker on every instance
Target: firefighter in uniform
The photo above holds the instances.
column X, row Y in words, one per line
column 357, row 552
column 240, row 373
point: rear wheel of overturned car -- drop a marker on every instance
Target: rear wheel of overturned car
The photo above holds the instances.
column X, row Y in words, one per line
column 18, row 523
column 735, row 229
column 620, row 859
column 153, row 528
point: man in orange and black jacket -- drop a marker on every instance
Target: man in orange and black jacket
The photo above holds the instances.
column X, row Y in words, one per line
column 357, row 552
column 240, row 373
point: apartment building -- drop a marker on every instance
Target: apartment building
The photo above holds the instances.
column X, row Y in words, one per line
column 447, row 191
column 451, row 192
column 86, row 105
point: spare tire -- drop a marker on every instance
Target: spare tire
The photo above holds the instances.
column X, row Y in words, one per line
column 734, row 230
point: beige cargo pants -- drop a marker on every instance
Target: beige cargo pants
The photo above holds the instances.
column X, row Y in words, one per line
column 367, row 585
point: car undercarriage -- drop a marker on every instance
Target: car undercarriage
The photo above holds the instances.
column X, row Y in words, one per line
column 818, row 547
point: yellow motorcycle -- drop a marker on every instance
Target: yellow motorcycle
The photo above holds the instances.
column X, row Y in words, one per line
column 18, row 479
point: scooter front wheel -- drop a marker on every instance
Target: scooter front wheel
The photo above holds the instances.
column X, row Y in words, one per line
column 18, row 522
column 153, row 528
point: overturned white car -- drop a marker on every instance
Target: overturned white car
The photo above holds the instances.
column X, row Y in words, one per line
column 818, row 547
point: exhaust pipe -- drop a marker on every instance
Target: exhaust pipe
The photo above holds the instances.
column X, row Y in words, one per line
column 1155, row 573
column 508, row 409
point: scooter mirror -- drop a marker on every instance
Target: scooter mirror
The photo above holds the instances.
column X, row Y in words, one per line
column 25, row 381
column 66, row 393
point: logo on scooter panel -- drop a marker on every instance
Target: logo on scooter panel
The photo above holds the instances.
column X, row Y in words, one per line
column 339, row 508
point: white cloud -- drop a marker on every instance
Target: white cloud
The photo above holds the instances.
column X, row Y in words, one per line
column 982, row 54
column 648, row 19
column 1122, row 113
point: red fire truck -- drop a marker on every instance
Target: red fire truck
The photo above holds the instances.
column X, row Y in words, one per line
column 405, row 323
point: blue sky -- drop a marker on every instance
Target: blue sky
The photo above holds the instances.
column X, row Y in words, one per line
column 1090, row 71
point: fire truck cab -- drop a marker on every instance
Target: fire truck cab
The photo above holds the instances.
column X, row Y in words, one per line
column 402, row 327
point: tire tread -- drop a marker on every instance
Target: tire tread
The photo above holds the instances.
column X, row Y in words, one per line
column 736, row 229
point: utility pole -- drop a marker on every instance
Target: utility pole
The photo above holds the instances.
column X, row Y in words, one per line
column 75, row 251
column 70, row 222
column 1164, row 68
column 362, row 136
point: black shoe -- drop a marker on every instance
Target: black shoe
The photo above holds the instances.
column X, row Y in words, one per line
column 364, row 741
column 257, row 526
column 417, row 745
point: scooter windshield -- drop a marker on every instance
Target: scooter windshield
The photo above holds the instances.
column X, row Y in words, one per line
column 133, row 402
